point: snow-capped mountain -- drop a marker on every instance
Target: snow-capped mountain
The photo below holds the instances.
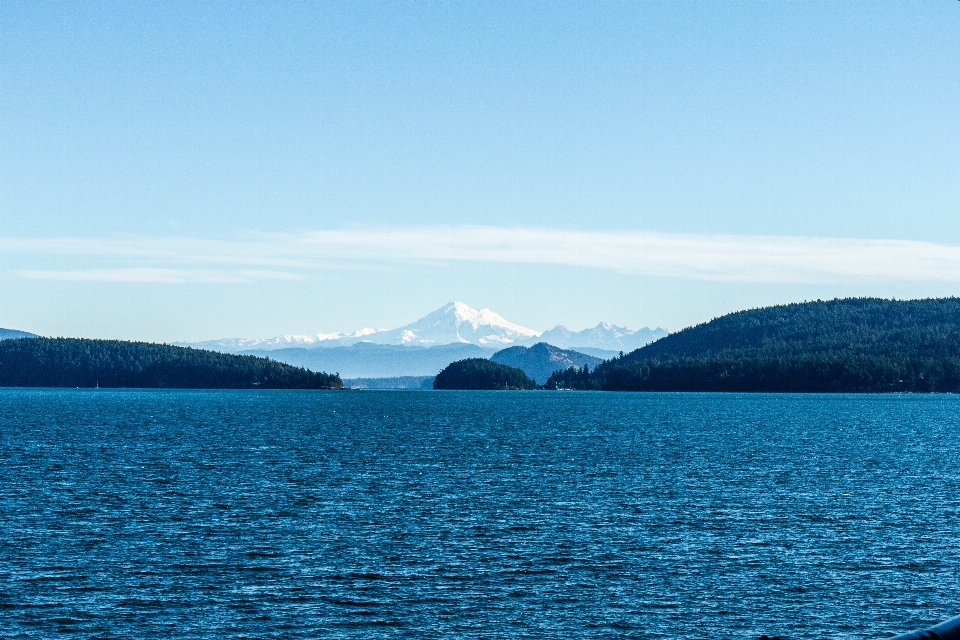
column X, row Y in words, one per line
column 236, row 345
column 452, row 323
column 603, row 336
column 456, row 322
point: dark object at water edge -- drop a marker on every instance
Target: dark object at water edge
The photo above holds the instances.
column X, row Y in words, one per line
column 949, row 630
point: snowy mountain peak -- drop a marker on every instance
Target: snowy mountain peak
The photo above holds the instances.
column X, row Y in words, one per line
column 456, row 322
column 604, row 336
column 483, row 317
column 463, row 312
column 235, row 345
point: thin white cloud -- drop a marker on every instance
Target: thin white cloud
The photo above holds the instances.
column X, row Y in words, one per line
column 702, row 257
column 147, row 274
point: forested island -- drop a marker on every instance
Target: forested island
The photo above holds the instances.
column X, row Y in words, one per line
column 480, row 374
column 850, row 345
column 71, row 362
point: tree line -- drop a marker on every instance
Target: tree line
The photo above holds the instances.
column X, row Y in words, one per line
column 849, row 345
column 480, row 374
column 72, row 362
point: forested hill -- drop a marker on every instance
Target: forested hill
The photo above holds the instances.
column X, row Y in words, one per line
column 855, row 345
column 69, row 362
column 480, row 374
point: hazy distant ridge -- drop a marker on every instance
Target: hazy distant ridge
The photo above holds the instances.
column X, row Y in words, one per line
column 367, row 360
column 603, row 336
column 13, row 334
column 541, row 360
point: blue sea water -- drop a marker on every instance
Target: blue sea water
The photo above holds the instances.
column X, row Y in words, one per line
column 306, row 514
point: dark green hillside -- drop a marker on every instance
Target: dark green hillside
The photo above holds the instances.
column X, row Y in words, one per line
column 480, row 374
column 851, row 345
column 69, row 362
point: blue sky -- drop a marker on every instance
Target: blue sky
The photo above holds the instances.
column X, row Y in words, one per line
column 196, row 170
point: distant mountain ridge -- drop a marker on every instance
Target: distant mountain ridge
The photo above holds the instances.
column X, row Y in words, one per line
column 13, row 334
column 454, row 322
column 368, row 360
column 603, row 336
column 542, row 359
column 238, row 345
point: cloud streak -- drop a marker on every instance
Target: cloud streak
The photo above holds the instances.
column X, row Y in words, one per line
column 786, row 259
column 169, row 276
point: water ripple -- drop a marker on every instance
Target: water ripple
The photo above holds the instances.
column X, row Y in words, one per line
column 275, row 514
